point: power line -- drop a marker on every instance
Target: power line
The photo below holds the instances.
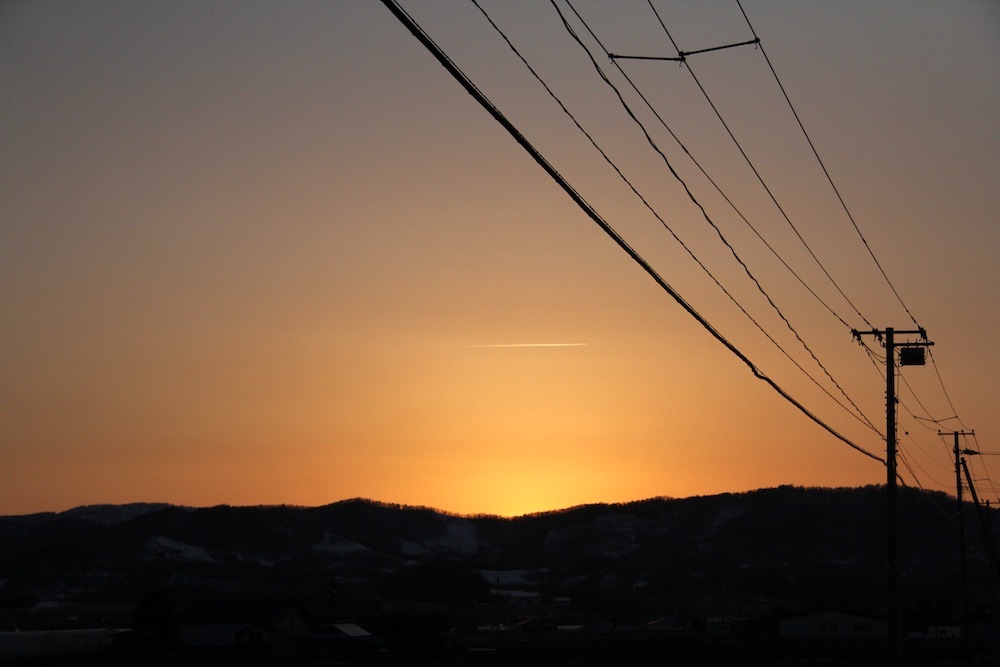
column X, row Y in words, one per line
column 932, row 421
column 484, row 101
column 856, row 413
column 914, row 394
column 823, row 166
column 906, row 464
column 614, row 61
column 850, row 216
column 815, row 152
column 755, row 171
column 656, row 114
column 919, row 500
column 931, row 458
column 926, row 423
column 980, row 453
column 708, row 219
column 944, row 389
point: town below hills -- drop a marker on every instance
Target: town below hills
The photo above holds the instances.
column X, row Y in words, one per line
column 360, row 577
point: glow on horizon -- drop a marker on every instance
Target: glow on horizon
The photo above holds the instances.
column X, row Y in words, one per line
column 243, row 250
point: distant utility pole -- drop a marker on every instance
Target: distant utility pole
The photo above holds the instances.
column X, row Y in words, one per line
column 961, row 538
column 910, row 354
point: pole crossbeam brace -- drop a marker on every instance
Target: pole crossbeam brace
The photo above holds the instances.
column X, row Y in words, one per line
column 618, row 56
column 881, row 333
column 888, row 337
column 682, row 55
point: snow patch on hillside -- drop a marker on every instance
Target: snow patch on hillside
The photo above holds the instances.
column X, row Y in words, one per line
column 725, row 515
column 164, row 547
column 338, row 545
column 461, row 537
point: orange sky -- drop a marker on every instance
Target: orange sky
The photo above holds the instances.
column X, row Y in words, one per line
column 273, row 253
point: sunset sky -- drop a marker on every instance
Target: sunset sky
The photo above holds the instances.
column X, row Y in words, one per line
column 262, row 253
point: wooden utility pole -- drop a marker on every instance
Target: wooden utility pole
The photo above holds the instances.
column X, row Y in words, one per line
column 962, row 543
column 911, row 354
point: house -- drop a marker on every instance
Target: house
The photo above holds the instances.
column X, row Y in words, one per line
column 832, row 624
column 268, row 626
column 340, row 638
column 245, row 624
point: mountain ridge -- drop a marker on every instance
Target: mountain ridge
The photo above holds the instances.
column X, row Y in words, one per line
column 796, row 546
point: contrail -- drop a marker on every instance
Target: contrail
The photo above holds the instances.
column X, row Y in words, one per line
column 530, row 345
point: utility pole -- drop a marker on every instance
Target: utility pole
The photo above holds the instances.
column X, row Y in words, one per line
column 986, row 523
column 911, row 354
column 984, row 519
column 962, row 544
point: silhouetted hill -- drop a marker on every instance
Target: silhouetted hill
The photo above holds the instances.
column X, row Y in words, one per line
column 789, row 547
